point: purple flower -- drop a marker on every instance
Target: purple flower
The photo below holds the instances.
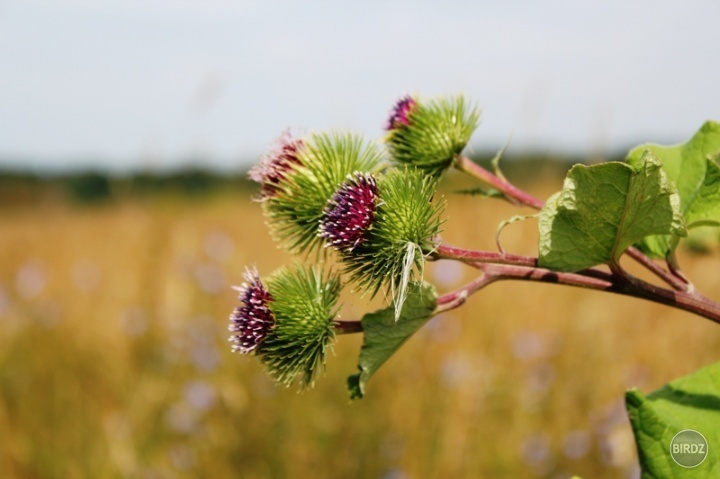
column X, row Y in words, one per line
column 350, row 212
column 400, row 115
column 274, row 166
column 251, row 322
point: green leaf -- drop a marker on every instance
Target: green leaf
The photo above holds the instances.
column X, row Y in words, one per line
column 705, row 209
column 383, row 335
column 693, row 168
column 604, row 209
column 692, row 402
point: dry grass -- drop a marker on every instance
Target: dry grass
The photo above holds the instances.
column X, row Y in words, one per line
column 114, row 359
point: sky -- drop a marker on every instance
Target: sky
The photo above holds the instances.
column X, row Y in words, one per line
column 150, row 84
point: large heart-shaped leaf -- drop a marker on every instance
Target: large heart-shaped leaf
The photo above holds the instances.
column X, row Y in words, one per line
column 604, row 209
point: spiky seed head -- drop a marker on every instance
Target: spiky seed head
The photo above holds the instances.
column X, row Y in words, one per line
column 299, row 305
column 430, row 135
column 407, row 217
column 350, row 212
column 277, row 164
column 325, row 161
column 251, row 322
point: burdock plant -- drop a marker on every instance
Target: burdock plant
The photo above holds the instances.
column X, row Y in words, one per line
column 430, row 135
column 289, row 324
column 299, row 175
column 384, row 230
column 379, row 219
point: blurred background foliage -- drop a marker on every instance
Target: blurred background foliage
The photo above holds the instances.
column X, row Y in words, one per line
column 114, row 360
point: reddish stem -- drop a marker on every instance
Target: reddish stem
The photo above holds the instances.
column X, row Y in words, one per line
column 670, row 277
column 510, row 192
column 589, row 279
column 347, row 327
column 457, row 298
column 516, row 196
column 445, row 251
column 504, row 266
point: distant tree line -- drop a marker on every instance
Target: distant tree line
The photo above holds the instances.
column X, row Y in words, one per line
column 97, row 186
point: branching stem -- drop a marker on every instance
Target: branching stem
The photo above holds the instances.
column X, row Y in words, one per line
column 672, row 279
column 593, row 278
column 457, row 298
column 510, row 192
column 519, row 197
column 498, row 266
column 445, row 251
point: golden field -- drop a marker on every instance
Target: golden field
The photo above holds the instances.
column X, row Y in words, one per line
column 114, row 360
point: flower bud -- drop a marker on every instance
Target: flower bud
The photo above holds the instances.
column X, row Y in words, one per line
column 290, row 324
column 381, row 229
column 430, row 135
column 321, row 163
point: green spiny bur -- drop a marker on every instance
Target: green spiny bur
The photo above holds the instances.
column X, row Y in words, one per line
column 294, row 212
column 304, row 307
column 407, row 213
column 433, row 134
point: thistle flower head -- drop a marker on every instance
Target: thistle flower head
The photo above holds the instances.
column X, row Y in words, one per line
column 430, row 135
column 406, row 219
column 400, row 114
column 275, row 165
column 293, row 318
column 350, row 212
column 324, row 162
column 251, row 322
